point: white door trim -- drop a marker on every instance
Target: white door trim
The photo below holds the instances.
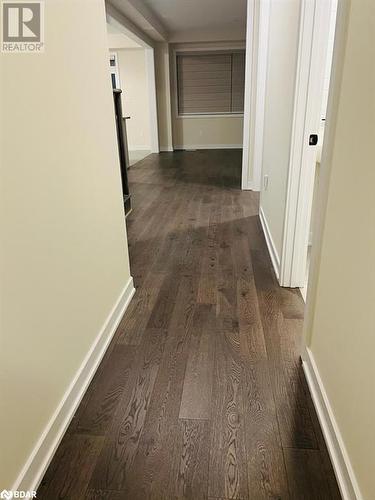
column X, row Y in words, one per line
column 255, row 92
column 261, row 85
column 313, row 42
column 249, row 94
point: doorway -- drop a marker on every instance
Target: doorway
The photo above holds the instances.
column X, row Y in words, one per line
column 132, row 71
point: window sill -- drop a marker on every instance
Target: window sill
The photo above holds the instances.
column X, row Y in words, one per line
column 214, row 115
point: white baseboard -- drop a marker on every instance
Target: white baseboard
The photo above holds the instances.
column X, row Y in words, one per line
column 166, row 149
column 250, row 186
column 340, row 460
column 303, row 290
column 270, row 243
column 208, row 146
column 33, row 471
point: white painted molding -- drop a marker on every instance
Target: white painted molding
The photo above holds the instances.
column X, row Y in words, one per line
column 249, row 95
column 255, row 92
column 312, row 53
column 200, row 116
column 261, row 86
column 208, row 146
column 270, row 243
column 339, row 456
column 166, row 150
column 46, row 446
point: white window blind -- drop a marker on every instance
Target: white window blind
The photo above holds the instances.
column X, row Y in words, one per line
column 210, row 83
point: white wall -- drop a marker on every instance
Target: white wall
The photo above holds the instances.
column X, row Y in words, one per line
column 64, row 260
column 135, row 96
column 279, row 102
column 340, row 320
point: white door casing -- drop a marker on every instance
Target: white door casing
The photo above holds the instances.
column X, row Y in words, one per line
column 258, row 14
column 312, row 53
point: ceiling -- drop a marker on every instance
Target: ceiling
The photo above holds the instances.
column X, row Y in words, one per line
column 188, row 20
column 184, row 15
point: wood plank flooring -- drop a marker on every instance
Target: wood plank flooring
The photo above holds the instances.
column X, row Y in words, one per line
column 201, row 394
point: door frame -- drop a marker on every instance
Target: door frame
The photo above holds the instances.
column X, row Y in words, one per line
column 257, row 31
column 313, row 41
column 249, row 96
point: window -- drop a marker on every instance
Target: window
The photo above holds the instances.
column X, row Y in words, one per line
column 210, row 83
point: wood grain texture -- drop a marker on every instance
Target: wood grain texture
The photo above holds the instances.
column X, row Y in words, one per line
column 104, row 495
column 201, row 394
column 70, row 471
column 123, row 436
column 96, row 411
column 306, row 476
column 227, row 472
column 191, row 460
column 133, row 324
column 292, row 406
column 197, row 391
column 265, row 464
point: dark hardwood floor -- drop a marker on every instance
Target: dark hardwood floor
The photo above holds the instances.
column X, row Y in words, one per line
column 201, row 394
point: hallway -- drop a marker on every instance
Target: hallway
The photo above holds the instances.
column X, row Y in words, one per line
column 201, row 394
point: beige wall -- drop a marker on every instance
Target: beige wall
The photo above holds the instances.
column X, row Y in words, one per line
column 135, row 96
column 340, row 327
column 64, row 259
column 207, row 131
column 120, row 41
column 279, row 102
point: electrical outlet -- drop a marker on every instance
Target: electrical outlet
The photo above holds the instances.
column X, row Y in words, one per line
column 265, row 182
